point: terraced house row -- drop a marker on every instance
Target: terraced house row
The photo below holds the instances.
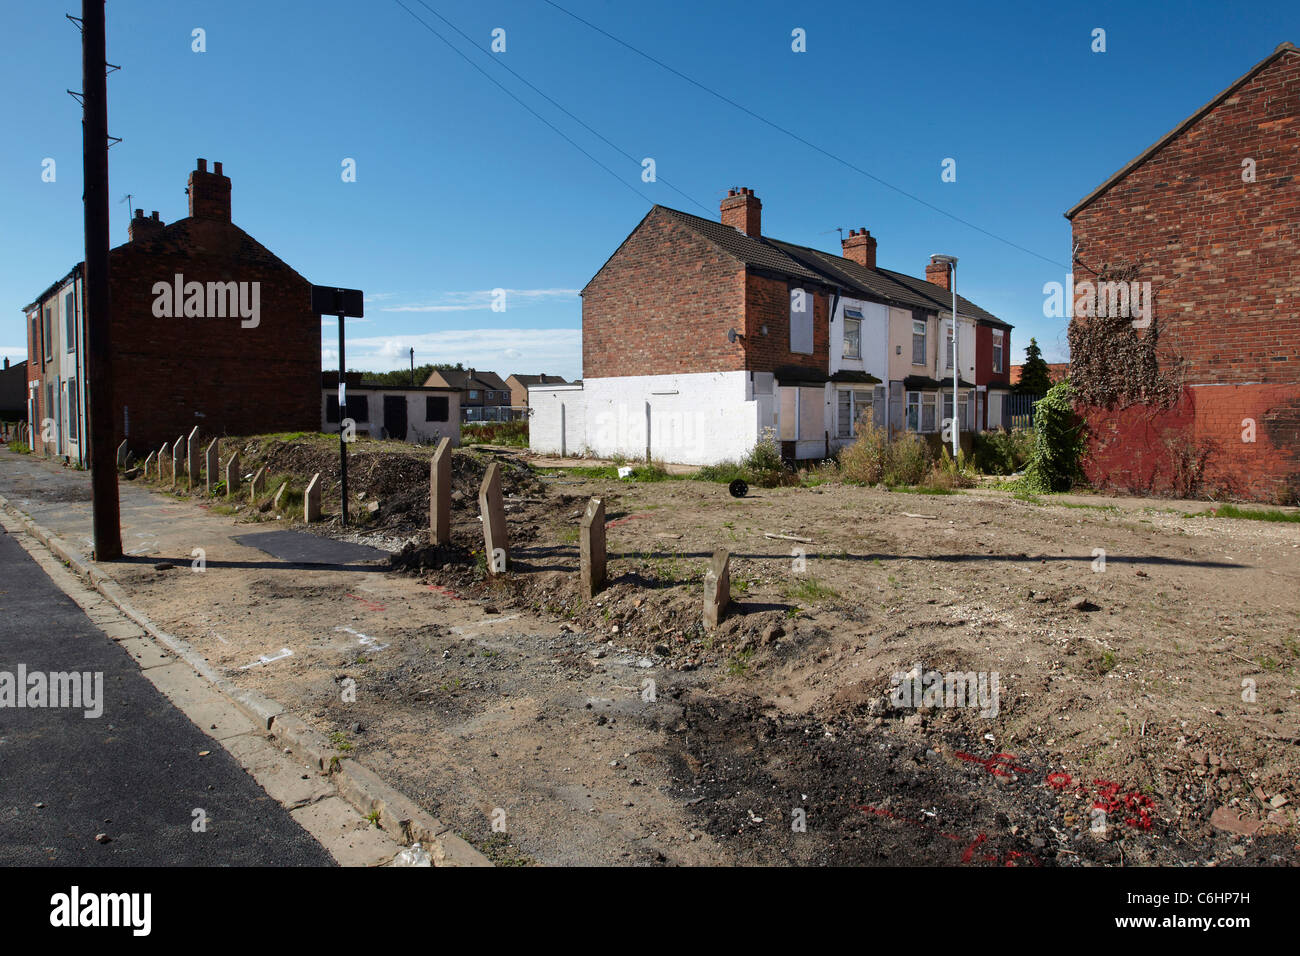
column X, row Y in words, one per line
column 700, row 337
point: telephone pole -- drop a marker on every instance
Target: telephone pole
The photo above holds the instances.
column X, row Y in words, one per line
column 99, row 379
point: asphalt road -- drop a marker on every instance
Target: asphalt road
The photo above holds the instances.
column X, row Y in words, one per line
column 134, row 773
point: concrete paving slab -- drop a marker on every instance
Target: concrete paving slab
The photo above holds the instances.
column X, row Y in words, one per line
column 334, row 824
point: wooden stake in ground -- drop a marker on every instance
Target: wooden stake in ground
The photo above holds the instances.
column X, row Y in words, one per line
column 193, row 464
column 211, row 470
column 232, row 475
column 717, row 588
column 492, row 508
column 258, row 485
column 178, row 460
column 440, row 494
column 591, row 538
column 311, row 500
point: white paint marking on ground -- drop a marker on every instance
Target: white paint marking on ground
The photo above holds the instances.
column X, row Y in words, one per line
column 267, row 659
column 365, row 640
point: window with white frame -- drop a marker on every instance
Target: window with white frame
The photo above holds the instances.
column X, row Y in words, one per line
column 948, row 347
column 913, row 411
column 929, row 404
column 997, row 349
column 852, row 334
column 852, row 408
column 965, row 409
column 918, row 342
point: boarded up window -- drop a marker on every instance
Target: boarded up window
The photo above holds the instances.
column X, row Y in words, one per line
column 435, row 408
column 812, row 414
column 801, row 321
column 358, row 408
column 789, row 413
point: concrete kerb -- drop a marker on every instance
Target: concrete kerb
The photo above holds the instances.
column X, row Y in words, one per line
column 359, row 786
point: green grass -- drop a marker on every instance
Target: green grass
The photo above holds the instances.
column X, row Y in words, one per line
column 19, row 447
column 651, row 472
column 1253, row 514
column 738, row 665
column 923, row 490
column 724, row 472
column 811, row 590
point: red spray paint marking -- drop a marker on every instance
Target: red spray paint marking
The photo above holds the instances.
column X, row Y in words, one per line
column 445, row 592
column 1110, row 800
column 368, row 604
column 968, row 855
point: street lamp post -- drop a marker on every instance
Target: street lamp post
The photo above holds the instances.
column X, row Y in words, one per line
column 956, row 365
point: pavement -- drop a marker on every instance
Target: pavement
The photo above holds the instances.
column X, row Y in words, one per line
column 141, row 777
column 175, row 771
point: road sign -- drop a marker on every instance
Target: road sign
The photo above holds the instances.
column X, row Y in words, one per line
column 327, row 300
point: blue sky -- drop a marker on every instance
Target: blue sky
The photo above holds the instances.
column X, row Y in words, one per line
column 459, row 190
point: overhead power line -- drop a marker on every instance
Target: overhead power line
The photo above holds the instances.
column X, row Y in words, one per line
column 795, row 136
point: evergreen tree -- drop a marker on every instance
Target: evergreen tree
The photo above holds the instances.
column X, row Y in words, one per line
column 1035, row 376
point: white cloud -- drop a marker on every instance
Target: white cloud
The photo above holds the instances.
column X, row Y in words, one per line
column 554, row 351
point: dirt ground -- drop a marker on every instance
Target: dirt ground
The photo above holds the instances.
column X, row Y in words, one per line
column 1157, row 684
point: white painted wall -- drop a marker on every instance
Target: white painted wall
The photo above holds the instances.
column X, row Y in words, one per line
column 695, row 419
column 557, row 420
column 875, row 339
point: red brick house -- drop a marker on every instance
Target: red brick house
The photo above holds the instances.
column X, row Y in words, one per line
column 209, row 328
column 701, row 336
column 1204, row 398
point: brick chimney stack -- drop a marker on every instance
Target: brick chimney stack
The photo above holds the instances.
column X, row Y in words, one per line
column 142, row 228
column 209, row 193
column 860, row 247
column 743, row 210
column 937, row 272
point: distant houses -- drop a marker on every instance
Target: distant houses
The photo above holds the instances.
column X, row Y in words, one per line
column 699, row 337
column 209, row 328
column 1201, row 395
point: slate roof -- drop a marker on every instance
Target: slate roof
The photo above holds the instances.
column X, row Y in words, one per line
column 802, row 262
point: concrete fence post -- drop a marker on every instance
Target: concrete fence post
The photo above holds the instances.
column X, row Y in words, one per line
column 258, row 484
column 211, row 469
column 232, row 475
column 148, row 462
column 717, row 588
column 311, row 500
column 193, row 464
column 164, row 456
column 178, row 460
column 591, row 539
column 496, row 547
column 440, row 494
column 121, row 454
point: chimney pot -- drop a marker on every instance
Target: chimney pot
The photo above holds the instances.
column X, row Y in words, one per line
column 154, row 216
column 860, row 247
column 203, row 165
column 139, row 214
column 743, row 210
column 216, row 168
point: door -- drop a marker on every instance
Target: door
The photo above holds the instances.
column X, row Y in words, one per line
column 395, row 416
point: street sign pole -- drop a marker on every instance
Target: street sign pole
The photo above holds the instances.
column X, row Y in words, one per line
column 343, row 445
column 328, row 300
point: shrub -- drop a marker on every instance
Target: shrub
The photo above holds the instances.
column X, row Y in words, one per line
column 1002, row 452
column 864, row 462
column 946, row 474
column 1058, row 443
column 513, row 433
column 909, row 459
column 764, row 466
